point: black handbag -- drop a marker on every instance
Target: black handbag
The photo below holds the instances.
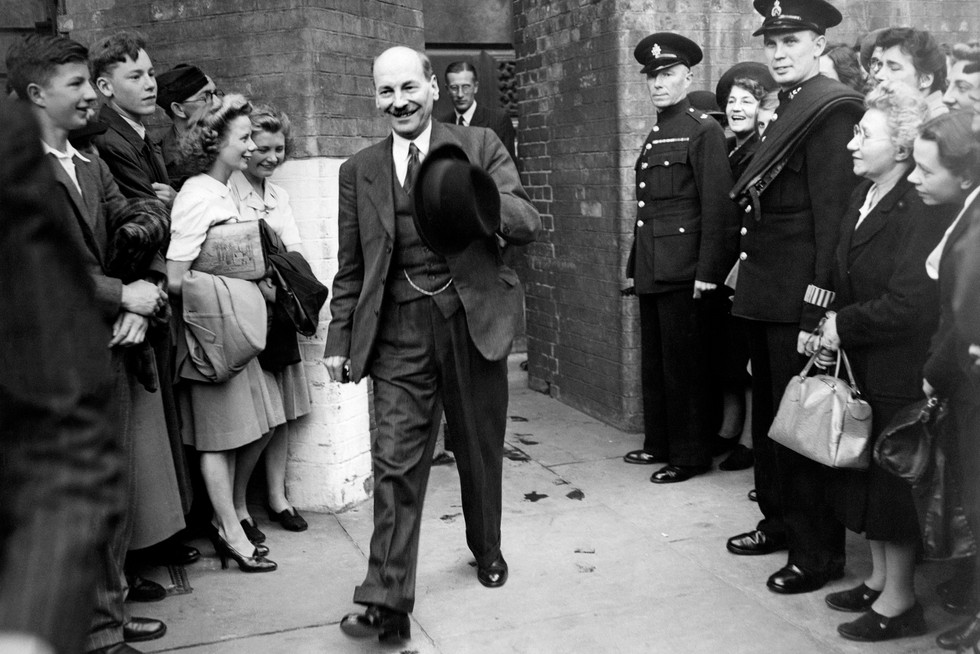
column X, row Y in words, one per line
column 913, row 447
column 904, row 447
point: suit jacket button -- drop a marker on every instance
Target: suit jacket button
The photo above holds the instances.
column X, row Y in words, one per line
column 743, row 256
column 745, row 230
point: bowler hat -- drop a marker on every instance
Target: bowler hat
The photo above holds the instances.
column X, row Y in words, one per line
column 796, row 15
column 456, row 202
column 750, row 69
column 665, row 49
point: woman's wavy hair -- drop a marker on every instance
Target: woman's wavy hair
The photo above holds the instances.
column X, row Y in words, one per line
column 904, row 109
column 269, row 118
column 200, row 145
column 751, row 85
column 959, row 150
column 847, row 65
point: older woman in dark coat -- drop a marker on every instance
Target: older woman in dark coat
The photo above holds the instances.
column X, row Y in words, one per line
column 886, row 310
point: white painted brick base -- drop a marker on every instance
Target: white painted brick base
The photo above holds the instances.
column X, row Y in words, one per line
column 329, row 465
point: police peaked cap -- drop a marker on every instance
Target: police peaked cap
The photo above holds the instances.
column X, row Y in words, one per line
column 665, row 49
column 796, row 15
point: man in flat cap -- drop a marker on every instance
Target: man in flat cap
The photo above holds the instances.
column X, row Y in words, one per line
column 427, row 323
column 793, row 193
column 684, row 245
column 181, row 92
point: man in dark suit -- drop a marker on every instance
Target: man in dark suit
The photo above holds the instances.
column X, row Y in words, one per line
column 462, row 84
column 424, row 327
column 794, row 193
column 60, row 481
column 684, row 245
column 182, row 91
column 52, row 74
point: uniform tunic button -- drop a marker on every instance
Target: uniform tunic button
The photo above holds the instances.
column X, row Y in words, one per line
column 639, row 223
column 748, row 209
column 774, row 117
column 648, row 146
column 644, row 165
column 666, row 163
column 641, row 204
column 656, row 128
column 743, row 256
column 745, row 230
column 681, row 230
column 643, row 184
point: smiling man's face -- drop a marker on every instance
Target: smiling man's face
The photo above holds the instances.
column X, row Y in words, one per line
column 402, row 92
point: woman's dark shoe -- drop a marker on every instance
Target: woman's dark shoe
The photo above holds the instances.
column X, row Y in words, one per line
column 873, row 627
column 387, row 624
column 144, row 590
column 855, row 600
column 741, row 458
column 495, row 574
column 290, row 519
column 252, row 531
column 254, row 563
column 962, row 637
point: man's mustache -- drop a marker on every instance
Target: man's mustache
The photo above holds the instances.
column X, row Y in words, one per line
column 404, row 111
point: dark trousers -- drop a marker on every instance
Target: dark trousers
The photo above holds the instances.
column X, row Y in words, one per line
column 677, row 387
column 110, row 589
column 966, row 423
column 791, row 488
column 422, row 356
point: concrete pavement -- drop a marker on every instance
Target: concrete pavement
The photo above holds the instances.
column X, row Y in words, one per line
column 601, row 560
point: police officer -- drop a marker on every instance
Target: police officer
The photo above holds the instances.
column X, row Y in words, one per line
column 794, row 193
column 684, row 245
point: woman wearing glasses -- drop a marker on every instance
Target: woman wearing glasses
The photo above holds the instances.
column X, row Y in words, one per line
column 885, row 311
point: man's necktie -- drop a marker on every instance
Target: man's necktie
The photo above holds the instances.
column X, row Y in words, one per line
column 413, row 167
column 459, row 120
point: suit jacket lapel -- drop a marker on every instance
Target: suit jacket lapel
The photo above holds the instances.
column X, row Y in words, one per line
column 378, row 179
column 85, row 214
column 879, row 216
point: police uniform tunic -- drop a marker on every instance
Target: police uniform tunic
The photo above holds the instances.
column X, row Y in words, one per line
column 686, row 230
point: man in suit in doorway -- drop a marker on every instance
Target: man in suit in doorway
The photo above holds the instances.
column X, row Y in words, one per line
column 426, row 327
column 462, row 83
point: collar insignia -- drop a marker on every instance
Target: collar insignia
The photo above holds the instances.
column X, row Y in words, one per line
column 655, row 50
column 792, row 94
column 777, row 11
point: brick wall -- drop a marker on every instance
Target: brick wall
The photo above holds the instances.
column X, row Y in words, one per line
column 584, row 111
column 312, row 59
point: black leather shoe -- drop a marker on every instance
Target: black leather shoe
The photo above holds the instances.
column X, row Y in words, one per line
column 138, row 629
column 741, row 458
column 118, row 648
column 387, row 624
column 672, row 474
column 755, row 543
column 252, row 532
column 144, row 590
column 855, row 600
column 790, row 580
column 643, row 458
column 962, row 636
column 873, row 627
column 495, row 574
column 177, row 554
column 290, row 519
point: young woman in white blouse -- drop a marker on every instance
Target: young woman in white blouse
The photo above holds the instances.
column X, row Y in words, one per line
column 257, row 197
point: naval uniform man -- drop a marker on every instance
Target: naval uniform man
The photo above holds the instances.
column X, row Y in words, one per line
column 793, row 193
column 685, row 243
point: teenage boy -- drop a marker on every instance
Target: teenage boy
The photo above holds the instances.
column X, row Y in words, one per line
column 51, row 74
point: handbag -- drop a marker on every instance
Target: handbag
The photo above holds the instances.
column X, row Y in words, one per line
column 824, row 418
column 913, row 448
column 905, row 447
column 233, row 249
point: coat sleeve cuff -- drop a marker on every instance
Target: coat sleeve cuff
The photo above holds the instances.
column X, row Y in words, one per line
column 818, row 296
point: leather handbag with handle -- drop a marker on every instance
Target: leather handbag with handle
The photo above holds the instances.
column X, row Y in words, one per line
column 824, row 418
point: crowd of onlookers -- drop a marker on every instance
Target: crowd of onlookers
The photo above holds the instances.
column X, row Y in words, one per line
column 169, row 423
column 901, row 300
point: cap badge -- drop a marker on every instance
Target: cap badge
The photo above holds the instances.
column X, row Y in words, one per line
column 655, row 50
column 777, row 11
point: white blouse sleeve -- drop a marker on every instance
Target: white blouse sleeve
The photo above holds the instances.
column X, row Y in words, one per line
column 285, row 221
column 192, row 215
